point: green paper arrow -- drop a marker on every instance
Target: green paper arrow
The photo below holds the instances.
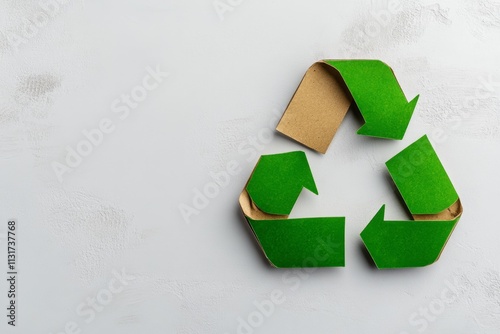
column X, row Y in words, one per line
column 401, row 244
column 327, row 91
column 273, row 189
column 277, row 181
column 378, row 96
column 429, row 194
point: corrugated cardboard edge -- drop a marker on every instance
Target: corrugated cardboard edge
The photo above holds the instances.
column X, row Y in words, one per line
column 317, row 108
column 250, row 210
column 452, row 213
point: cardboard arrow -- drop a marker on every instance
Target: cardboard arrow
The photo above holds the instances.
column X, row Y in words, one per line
column 268, row 199
column 330, row 87
column 431, row 199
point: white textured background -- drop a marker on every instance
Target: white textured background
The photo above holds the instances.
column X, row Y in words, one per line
column 231, row 75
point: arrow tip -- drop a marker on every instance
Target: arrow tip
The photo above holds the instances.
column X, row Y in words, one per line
column 308, row 181
column 379, row 216
column 377, row 219
column 393, row 128
column 369, row 234
column 405, row 118
column 410, row 107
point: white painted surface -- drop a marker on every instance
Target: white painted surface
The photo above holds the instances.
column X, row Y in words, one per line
column 119, row 209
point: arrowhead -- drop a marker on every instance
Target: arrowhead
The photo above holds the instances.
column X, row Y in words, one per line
column 378, row 95
column 404, row 244
column 390, row 124
column 376, row 220
column 370, row 235
column 307, row 179
column 278, row 180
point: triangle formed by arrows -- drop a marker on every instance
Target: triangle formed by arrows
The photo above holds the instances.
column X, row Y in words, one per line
column 312, row 118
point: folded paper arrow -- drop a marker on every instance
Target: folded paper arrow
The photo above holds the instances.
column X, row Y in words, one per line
column 330, row 87
column 268, row 199
column 433, row 203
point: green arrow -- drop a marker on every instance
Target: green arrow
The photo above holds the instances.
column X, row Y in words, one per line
column 401, row 244
column 433, row 202
column 327, row 91
column 378, row 96
column 277, row 182
column 270, row 194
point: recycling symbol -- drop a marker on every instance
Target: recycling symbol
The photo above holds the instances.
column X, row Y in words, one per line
column 327, row 91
